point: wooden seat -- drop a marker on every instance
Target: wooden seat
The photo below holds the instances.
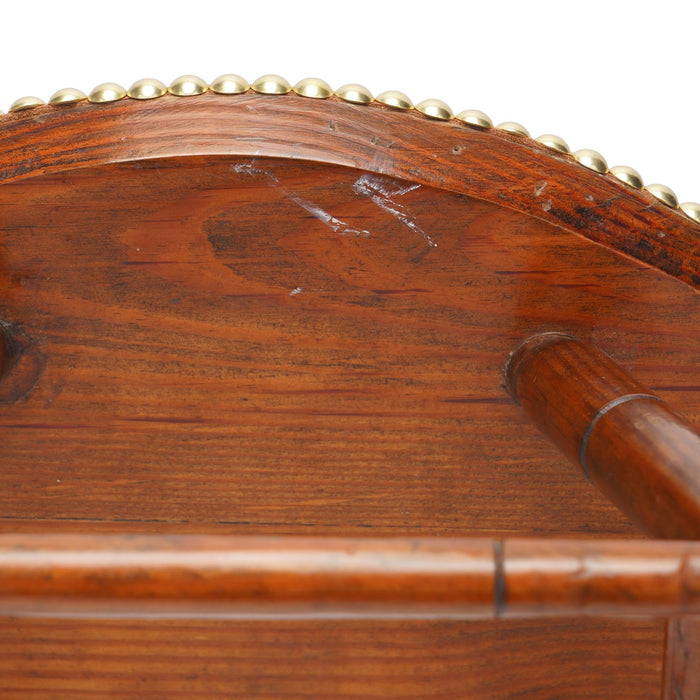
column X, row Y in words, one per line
column 234, row 317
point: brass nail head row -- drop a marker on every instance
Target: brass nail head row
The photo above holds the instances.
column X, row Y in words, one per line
column 354, row 93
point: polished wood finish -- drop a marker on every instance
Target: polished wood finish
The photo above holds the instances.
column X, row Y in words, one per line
column 341, row 659
column 493, row 165
column 682, row 667
column 247, row 576
column 251, row 577
column 326, row 383
column 264, row 315
column 632, row 445
column 600, row 577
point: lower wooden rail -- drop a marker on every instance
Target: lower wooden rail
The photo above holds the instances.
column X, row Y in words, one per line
column 226, row 576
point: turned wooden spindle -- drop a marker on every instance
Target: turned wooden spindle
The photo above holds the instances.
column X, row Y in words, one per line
column 630, row 443
column 316, row 577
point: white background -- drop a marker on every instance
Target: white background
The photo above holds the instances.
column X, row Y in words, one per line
column 620, row 77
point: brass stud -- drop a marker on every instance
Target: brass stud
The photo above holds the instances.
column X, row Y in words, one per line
column 188, row 85
column 352, row 92
column 691, row 210
column 146, row 89
column 663, row 194
column 23, row 103
column 556, row 143
column 314, row 88
column 592, row 160
column 435, row 109
column 230, row 84
column 271, row 85
column 475, row 117
column 514, row 128
column 395, row 99
column 628, row 175
column 67, row 96
column 107, row 92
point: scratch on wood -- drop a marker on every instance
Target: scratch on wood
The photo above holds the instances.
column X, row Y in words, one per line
column 336, row 225
column 333, row 223
column 383, row 192
column 251, row 169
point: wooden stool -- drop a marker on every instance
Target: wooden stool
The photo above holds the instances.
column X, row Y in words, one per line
column 261, row 361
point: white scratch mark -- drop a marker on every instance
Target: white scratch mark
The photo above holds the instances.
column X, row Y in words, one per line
column 383, row 185
column 295, row 291
column 383, row 191
column 539, row 187
column 251, row 169
column 547, row 205
column 336, row 225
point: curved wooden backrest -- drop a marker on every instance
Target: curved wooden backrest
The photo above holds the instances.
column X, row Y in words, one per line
column 491, row 164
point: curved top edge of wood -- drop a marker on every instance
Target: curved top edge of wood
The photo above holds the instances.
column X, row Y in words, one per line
column 490, row 164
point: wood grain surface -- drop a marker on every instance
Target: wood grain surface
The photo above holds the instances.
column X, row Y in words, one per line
column 494, row 165
column 65, row 659
column 270, row 316
column 203, row 367
column 682, row 664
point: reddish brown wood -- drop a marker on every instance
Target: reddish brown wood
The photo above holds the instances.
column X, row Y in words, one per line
column 495, row 166
column 246, row 577
column 634, row 447
column 346, row 659
column 601, row 577
column 211, row 342
column 251, row 577
column 682, row 664
column 186, row 387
